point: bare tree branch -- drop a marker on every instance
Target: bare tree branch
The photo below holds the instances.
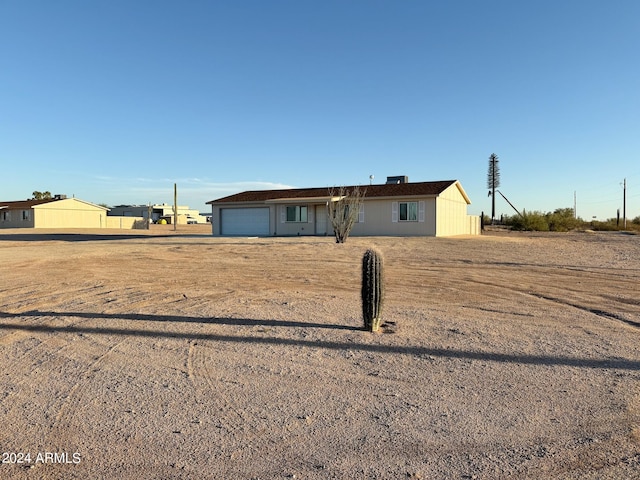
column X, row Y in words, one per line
column 343, row 210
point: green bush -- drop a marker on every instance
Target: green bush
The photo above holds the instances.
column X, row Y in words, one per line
column 562, row 220
column 613, row 225
column 529, row 221
column 606, row 226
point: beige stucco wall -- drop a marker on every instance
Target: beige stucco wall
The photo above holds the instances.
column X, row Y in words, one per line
column 474, row 224
column 215, row 220
column 378, row 219
column 125, row 223
column 294, row 228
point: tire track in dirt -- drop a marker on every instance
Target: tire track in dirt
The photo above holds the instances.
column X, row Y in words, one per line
column 43, row 296
column 200, row 368
column 237, row 426
column 51, row 301
column 561, row 301
column 130, row 297
column 36, row 386
column 37, row 321
column 584, row 308
column 207, row 382
column 13, row 337
column 245, row 422
column 14, row 381
column 66, row 411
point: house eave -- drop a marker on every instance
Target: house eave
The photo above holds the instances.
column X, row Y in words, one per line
column 318, row 200
column 462, row 192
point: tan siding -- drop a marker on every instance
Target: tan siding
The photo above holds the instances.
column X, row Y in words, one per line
column 452, row 214
column 69, row 213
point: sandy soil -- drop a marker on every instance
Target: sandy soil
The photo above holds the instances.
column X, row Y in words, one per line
column 168, row 354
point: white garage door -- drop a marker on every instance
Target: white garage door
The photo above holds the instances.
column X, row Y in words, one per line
column 244, row 221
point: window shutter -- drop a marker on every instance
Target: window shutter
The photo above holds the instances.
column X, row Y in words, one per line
column 283, row 213
column 394, row 212
column 421, row 211
column 310, row 212
column 361, row 214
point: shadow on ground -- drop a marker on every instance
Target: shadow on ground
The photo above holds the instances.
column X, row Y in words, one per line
column 543, row 360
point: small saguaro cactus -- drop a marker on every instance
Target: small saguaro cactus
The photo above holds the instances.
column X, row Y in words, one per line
column 372, row 290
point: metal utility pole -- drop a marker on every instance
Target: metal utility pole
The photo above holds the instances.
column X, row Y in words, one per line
column 175, row 207
column 575, row 205
column 624, row 204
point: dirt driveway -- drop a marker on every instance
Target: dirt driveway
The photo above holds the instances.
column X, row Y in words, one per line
column 158, row 355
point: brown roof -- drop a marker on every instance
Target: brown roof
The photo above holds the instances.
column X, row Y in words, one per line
column 25, row 204
column 386, row 190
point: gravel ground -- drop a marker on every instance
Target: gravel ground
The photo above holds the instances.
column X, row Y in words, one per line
column 178, row 355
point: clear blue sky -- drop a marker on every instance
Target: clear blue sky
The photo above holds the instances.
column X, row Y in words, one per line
column 115, row 100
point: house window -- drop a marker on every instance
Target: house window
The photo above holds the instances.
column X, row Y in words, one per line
column 6, row 216
column 408, row 211
column 297, row 214
column 345, row 212
column 25, row 214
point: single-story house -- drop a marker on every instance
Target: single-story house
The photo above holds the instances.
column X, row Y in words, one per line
column 396, row 208
column 60, row 212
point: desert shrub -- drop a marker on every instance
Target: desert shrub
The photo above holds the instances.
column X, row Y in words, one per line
column 609, row 225
column 562, row 220
column 530, row 221
column 140, row 224
column 613, row 225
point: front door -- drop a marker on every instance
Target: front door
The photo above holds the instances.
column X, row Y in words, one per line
column 321, row 219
